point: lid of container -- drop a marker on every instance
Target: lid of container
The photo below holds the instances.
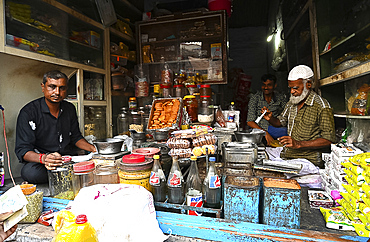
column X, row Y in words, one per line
column 146, row 151
column 133, row 159
column 205, row 86
column 192, row 85
column 132, row 99
column 81, row 219
column 117, row 74
column 189, row 96
column 206, row 96
column 165, row 86
column 156, row 157
column 83, row 166
column 179, row 85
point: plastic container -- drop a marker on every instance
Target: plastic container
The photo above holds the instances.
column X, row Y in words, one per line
column 241, row 198
column 281, row 202
column 205, row 112
column 191, row 106
column 60, row 182
column 205, row 90
column 135, row 169
column 106, row 174
column 83, row 175
column 179, row 90
column 166, row 90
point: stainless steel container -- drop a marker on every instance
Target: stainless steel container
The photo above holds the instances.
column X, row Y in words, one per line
column 108, row 146
column 239, row 152
column 250, row 136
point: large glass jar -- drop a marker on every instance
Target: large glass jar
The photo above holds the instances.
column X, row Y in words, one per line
column 60, row 182
column 123, row 121
column 106, row 174
column 192, row 89
column 191, row 106
column 205, row 112
column 83, row 175
column 166, row 90
column 179, row 90
column 205, row 90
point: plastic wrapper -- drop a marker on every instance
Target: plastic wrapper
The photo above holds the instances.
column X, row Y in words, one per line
column 348, row 210
column 174, row 143
column 358, row 180
column 181, row 153
column 46, row 217
column 70, row 228
column 352, row 201
column 34, row 207
column 335, row 219
column 207, row 139
column 354, row 192
column 199, row 151
column 220, row 118
column 359, row 104
column 361, row 230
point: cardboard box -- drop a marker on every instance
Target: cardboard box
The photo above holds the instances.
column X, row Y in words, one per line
column 319, row 199
column 92, row 38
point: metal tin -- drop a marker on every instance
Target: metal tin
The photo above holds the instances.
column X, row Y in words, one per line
column 237, row 172
column 241, row 198
column 239, row 152
column 281, row 202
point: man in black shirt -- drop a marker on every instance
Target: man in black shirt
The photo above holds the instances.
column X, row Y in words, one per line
column 47, row 128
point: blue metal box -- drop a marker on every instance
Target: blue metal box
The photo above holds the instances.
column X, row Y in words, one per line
column 241, row 198
column 281, row 202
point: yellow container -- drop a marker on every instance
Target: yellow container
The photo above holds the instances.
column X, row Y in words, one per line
column 140, row 177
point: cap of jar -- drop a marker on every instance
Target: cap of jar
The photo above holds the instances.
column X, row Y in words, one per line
column 132, row 99
column 192, row 85
column 179, row 85
column 83, row 166
column 156, row 157
column 165, row 86
column 189, row 96
column 133, row 158
column 205, row 96
column 193, row 158
column 212, row 158
column 205, row 86
column 81, row 219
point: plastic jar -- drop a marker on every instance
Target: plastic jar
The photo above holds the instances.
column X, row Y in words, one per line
column 135, row 169
column 60, row 182
column 179, row 90
column 205, row 90
column 191, row 105
column 83, row 175
column 106, row 174
column 166, row 90
column 205, row 113
column 132, row 104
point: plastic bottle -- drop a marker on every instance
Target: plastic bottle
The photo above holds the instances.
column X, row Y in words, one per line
column 212, row 186
column 123, row 121
column 166, row 77
column 175, row 183
column 193, row 189
column 132, row 104
column 141, row 83
column 158, row 181
column 231, row 115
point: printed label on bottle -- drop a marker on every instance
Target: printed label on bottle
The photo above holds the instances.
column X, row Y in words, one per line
column 194, row 201
column 154, row 178
column 174, row 181
column 214, row 182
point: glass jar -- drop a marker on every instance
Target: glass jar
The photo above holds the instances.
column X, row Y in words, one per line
column 205, row 112
column 60, row 182
column 136, row 122
column 166, row 90
column 83, row 175
column 191, row 106
column 132, row 104
column 192, row 89
column 205, row 90
column 123, row 121
column 179, row 90
column 106, row 174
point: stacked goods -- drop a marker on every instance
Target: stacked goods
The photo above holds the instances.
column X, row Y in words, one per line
column 356, row 197
column 164, row 113
column 333, row 176
column 189, row 142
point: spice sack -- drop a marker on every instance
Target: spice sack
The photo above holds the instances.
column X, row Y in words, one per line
column 119, row 212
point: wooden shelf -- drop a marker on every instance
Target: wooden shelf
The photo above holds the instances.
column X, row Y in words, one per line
column 124, row 36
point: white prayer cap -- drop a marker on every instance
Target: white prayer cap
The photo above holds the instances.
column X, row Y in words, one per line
column 300, row 72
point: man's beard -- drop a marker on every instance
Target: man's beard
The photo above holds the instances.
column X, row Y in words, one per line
column 300, row 98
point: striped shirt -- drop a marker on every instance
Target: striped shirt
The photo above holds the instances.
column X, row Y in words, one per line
column 314, row 120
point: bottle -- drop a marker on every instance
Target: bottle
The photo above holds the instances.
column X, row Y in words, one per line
column 194, row 188
column 158, row 181
column 166, row 77
column 141, row 83
column 132, row 104
column 175, row 183
column 231, row 114
column 123, row 121
column 212, row 186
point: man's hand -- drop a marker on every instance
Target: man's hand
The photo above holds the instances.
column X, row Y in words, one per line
column 269, row 138
column 288, row 141
column 52, row 161
column 5, row 235
column 4, row 216
column 268, row 113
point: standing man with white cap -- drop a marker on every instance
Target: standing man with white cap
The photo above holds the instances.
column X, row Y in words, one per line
column 309, row 119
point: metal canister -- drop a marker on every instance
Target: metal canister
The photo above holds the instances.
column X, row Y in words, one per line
column 135, row 169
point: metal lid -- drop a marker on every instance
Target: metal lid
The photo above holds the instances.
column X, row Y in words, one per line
column 135, row 162
column 83, row 166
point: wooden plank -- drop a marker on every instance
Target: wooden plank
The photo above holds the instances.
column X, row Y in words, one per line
column 227, row 230
column 351, row 73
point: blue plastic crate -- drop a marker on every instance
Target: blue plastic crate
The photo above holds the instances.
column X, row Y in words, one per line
column 241, row 198
column 281, row 202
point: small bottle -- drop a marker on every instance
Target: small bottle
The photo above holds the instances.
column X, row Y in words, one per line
column 175, row 183
column 212, row 186
column 166, row 77
column 132, row 104
column 141, row 83
column 158, row 181
column 194, row 188
column 231, row 115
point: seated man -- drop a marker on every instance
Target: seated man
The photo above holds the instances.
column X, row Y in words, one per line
column 268, row 98
column 309, row 119
column 47, row 128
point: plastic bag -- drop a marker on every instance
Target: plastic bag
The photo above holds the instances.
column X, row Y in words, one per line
column 70, row 228
column 34, row 207
column 220, row 118
column 360, row 102
column 335, row 219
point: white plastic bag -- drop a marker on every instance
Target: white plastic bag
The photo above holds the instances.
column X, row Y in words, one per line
column 119, row 212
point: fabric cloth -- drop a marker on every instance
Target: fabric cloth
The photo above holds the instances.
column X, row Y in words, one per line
column 257, row 102
column 38, row 130
column 277, row 132
column 314, row 120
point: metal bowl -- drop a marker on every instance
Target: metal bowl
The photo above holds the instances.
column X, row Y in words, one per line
column 108, row 146
column 250, row 136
